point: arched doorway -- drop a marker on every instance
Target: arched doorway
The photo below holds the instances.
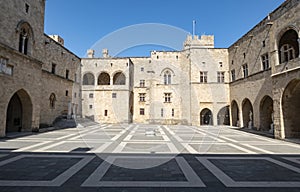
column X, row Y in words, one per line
column 19, row 112
column 206, row 117
column 223, row 116
column 235, row 113
column 291, row 109
column 266, row 113
column 247, row 110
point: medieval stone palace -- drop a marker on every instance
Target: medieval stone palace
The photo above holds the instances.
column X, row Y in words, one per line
column 254, row 83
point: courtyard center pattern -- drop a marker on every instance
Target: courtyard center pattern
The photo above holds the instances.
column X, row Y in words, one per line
column 175, row 158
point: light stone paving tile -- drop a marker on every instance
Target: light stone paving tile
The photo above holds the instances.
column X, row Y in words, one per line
column 145, row 147
column 278, row 149
column 263, row 151
column 58, row 181
column 29, row 148
column 102, row 147
column 95, row 179
column 217, row 148
column 15, row 145
column 70, row 147
column 229, row 182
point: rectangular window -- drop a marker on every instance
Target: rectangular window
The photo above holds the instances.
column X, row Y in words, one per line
column 142, row 83
column 245, row 70
column 67, row 74
column 4, row 67
column 105, row 113
column 142, row 111
column 75, row 95
column 168, row 97
column 162, row 112
column 53, row 68
column 173, row 112
column 26, row 8
column 221, row 77
column 142, row 97
column 91, row 106
column 91, row 95
column 233, row 75
column 142, row 69
column 203, row 76
column 263, row 43
column 114, row 95
column 265, row 61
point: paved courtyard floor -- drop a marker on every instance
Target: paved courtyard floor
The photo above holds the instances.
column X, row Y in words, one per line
column 103, row 157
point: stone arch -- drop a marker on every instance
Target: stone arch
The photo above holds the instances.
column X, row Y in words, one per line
column 235, row 113
column 291, row 109
column 266, row 113
column 288, row 45
column 119, row 79
column 25, row 37
column 223, row 116
column 88, row 79
column 206, row 117
column 104, row 79
column 19, row 112
column 247, row 111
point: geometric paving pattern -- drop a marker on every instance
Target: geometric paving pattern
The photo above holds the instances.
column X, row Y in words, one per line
column 102, row 157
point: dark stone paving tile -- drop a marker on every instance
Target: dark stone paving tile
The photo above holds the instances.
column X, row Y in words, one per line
column 169, row 171
column 36, row 169
column 255, row 170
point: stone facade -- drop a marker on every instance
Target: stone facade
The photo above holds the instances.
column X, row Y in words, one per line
column 166, row 86
column 26, row 77
column 107, row 89
column 254, row 83
column 269, row 55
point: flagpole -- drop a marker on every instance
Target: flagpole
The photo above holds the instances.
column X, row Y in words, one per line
column 194, row 28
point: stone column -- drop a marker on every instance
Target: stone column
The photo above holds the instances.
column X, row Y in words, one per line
column 299, row 47
column 69, row 110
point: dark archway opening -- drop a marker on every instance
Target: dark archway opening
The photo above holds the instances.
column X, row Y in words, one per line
column 88, row 79
column 104, row 79
column 247, row 113
column 119, row 79
column 266, row 113
column 206, row 117
column 19, row 112
column 223, row 116
column 235, row 114
column 291, row 109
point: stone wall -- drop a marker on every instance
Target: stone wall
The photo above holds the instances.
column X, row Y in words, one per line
column 263, row 39
column 31, row 77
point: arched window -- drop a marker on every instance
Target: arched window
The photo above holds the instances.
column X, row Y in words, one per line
column 88, row 79
column 288, row 46
column 23, row 41
column 119, row 79
column 52, row 99
column 25, row 37
column 104, row 79
column 167, row 78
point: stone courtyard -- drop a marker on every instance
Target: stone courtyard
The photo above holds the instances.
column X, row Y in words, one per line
column 136, row 157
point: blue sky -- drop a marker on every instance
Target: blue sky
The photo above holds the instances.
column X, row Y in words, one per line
column 84, row 22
